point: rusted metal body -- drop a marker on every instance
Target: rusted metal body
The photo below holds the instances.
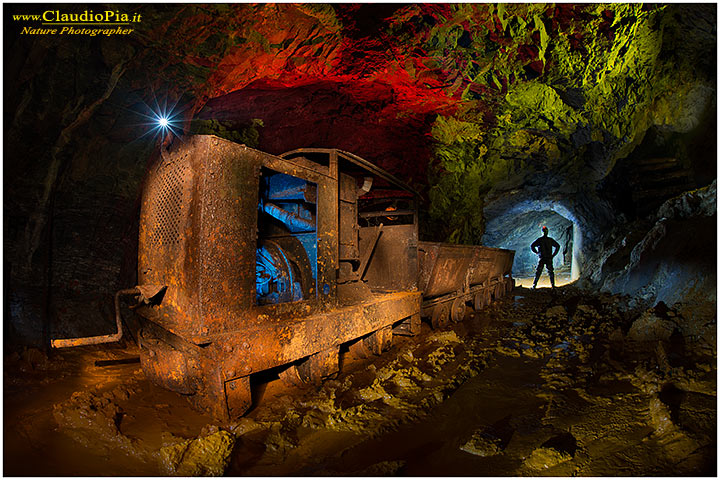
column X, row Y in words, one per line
column 452, row 276
column 201, row 229
column 275, row 262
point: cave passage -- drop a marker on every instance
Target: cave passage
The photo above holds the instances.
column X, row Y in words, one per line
column 522, row 229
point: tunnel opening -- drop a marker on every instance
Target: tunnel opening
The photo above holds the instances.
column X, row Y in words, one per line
column 517, row 230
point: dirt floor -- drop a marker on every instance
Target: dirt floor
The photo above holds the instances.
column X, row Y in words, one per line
column 562, row 278
column 540, row 383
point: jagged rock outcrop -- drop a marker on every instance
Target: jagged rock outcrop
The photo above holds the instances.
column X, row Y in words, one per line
column 674, row 258
column 669, row 258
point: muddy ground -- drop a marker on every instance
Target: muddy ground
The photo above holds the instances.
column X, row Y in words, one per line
column 540, row 383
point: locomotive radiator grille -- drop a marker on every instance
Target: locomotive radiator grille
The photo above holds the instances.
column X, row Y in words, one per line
column 166, row 212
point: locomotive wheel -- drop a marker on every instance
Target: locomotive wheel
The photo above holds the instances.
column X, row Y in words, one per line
column 440, row 316
column 457, row 310
column 359, row 349
column 238, row 396
column 291, row 376
column 409, row 326
column 320, row 365
column 379, row 341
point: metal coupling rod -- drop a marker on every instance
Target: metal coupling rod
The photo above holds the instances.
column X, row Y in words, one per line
column 77, row 342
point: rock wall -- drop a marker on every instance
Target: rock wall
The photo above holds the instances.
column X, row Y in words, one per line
column 669, row 257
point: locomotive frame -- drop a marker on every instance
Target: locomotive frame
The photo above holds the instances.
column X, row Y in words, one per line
column 199, row 238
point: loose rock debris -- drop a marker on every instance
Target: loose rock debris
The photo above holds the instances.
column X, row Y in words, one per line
column 204, row 456
column 544, row 458
column 482, row 445
column 92, row 419
column 545, row 383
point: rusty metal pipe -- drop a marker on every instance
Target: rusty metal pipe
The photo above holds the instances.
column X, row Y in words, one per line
column 77, row 342
column 288, row 218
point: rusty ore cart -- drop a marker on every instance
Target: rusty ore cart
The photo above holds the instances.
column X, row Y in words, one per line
column 453, row 276
column 250, row 262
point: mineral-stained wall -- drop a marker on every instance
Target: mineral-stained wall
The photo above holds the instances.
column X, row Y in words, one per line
column 491, row 110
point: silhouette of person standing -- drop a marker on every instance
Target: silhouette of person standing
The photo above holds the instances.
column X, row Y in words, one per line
column 546, row 247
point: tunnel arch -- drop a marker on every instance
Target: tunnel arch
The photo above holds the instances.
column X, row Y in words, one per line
column 517, row 226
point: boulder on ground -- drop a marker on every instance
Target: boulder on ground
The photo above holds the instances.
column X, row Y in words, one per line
column 650, row 328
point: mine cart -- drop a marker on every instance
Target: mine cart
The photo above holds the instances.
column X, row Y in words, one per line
column 262, row 261
column 453, row 276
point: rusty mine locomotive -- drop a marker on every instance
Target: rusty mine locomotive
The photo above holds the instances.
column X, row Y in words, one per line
column 249, row 262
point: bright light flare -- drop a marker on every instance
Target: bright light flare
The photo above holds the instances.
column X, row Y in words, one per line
column 162, row 120
column 165, row 121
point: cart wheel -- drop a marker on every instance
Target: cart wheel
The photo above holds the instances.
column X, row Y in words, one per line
column 440, row 316
column 499, row 291
column 379, row 341
column 481, row 300
column 457, row 311
column 509, row 285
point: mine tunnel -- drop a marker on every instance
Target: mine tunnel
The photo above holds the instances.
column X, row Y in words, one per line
column 519, row 228
column 294, row 239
